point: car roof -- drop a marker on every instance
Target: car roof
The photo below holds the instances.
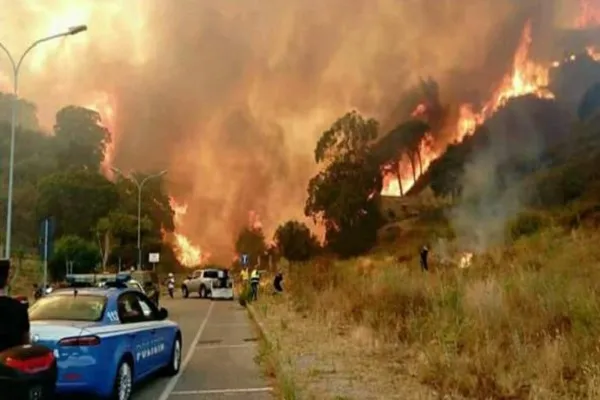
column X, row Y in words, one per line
column 109, row 293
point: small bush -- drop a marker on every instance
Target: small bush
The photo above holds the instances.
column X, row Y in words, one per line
column 525, row 224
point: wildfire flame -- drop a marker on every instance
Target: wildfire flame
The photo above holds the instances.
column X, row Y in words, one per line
column 187, row 254
column 105, row 105
column 465, row 260
column 526, row 77
column 254, row 221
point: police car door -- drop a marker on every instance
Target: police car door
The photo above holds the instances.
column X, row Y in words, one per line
column 158, row 352
column 131, row 315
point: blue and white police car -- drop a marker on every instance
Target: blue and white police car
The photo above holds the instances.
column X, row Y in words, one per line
column 105, row 339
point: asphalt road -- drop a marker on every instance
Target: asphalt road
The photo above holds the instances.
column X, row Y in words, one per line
column 219, row 347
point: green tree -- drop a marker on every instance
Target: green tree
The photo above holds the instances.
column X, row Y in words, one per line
column 84, row 255
column 26, row 112
column 343, row 198
column 81, row 139
column 157, row 217
column 348, row 137
column 295, row 241
column 77, row 199
column 251, row 241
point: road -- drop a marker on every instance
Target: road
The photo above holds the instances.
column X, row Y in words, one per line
column 219, row 347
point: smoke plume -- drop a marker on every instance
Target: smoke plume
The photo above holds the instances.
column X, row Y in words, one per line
column 230, row 96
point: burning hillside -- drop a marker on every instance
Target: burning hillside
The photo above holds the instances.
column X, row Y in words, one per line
column 525, row 78
column 231, row 96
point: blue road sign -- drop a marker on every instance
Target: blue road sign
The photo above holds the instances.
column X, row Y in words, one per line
column 244, row 259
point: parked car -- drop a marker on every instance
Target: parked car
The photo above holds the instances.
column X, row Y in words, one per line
column 209, row 282
column 105, row 339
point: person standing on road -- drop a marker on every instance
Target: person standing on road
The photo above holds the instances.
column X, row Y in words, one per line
column 244, row 276
column 14, row 326
column 171, row 284
column 424, row 253
column 254, row 281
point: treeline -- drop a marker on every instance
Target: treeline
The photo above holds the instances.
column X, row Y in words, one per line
column 344, row 196
column 58, row 175
column 531, row 145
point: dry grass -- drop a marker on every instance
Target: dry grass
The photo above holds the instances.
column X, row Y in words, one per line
column 520, row 323
column 29, row 271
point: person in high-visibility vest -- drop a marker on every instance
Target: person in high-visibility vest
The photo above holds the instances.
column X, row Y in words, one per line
column 244, row 275
column 254, row 281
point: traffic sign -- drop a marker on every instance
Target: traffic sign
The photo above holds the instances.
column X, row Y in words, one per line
column 244, row 259
column 154, row 257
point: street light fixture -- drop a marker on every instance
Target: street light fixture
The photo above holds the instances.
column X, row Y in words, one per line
column 140, row 185
column 74, row 30
column 16, row 66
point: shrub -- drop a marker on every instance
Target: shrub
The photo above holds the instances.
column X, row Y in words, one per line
column 525, row 224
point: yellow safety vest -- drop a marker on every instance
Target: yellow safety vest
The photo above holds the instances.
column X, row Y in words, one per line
column 254, row 275
column 245, row 274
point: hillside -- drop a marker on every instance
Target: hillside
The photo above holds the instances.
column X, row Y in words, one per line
column 508, row 308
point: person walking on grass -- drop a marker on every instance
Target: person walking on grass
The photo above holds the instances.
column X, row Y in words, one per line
column 277, row 283
column 254, row 281
column 423, row 255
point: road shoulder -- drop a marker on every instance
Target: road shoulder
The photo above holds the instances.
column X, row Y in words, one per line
column 330, row 362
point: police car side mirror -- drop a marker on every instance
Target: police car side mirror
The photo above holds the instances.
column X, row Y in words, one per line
column 163, row 313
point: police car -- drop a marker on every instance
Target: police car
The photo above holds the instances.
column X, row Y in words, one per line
column 105, row 339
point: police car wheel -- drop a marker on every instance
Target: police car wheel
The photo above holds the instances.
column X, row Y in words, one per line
column 184, row 292
column 174, row 365
column 123, row 382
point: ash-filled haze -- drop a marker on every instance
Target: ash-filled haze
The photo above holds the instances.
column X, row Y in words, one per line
column 230, row 96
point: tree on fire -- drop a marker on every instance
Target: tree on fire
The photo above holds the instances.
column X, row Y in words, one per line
column 404, row 139
column 343, row 196
column 295, row 241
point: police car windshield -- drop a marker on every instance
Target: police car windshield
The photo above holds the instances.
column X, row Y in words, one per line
column 69, row 308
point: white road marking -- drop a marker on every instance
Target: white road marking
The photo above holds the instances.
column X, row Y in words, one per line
column 222, row 391
column 226, row 346
column 229, row 325
column 173, row 381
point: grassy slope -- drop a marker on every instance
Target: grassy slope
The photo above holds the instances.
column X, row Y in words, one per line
column 520, row 323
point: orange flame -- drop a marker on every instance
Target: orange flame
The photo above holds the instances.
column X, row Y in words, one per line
column 105, row 105
column 187, row 254
column 525, row 78
column 254, row 221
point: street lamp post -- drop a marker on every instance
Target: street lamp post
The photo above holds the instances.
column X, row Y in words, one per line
column 16, row 66
column 140, row 185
